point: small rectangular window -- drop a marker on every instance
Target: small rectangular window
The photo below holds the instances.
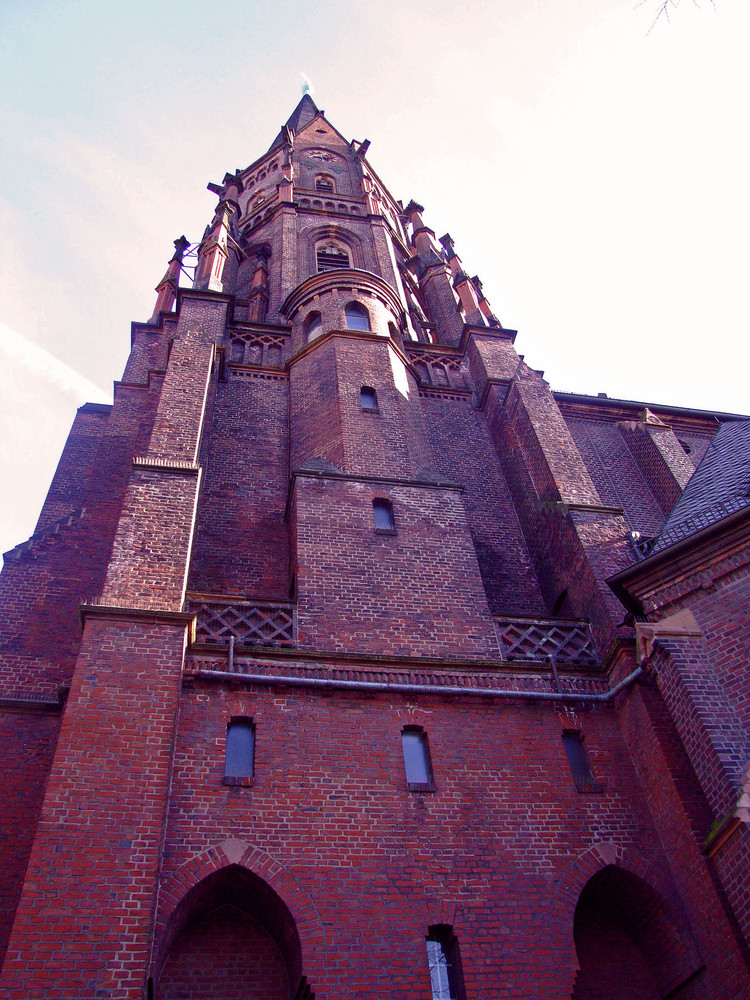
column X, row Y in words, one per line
column 239, row 762
column 417, row 760
column 382, row 512
column 578, row 760
column 368, row 398
column 444, row 962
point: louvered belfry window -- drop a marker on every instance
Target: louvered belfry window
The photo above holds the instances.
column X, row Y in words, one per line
column 331, row 257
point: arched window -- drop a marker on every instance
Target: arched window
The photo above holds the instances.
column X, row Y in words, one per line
column 417, row 759
column 313, row 326
column 239, row 761
column 323, row 182
column 444, row 962
column 331, row 256
column 382, row 512
column 368, row 398
column 357, row 317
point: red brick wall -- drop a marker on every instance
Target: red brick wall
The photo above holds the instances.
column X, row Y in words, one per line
column 416, row 592
column 683, row 816
column 464, row 453
column 241, row 541
column 27, row 736
column 225, row 956
column 618, row 478
column 663, row 461
column 86, row 907
column 330, row 805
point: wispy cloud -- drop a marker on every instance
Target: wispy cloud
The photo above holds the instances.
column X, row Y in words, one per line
column 15, row 348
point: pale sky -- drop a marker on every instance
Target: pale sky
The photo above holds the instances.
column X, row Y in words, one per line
column 594, row 174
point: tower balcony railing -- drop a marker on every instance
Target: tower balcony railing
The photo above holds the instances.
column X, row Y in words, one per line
column 539, row 640
column 274, row 623
column 249, row 623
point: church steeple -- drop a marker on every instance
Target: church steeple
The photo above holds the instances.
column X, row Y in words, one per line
column 305, row 112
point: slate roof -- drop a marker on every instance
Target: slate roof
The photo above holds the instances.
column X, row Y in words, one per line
column 302, row 115
column 718, row 487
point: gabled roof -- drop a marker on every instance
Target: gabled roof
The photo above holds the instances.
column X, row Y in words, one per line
column 305, row 112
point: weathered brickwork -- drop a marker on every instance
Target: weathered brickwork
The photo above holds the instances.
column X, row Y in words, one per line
column 307, row 539
column 242, row 539
column 28, row 733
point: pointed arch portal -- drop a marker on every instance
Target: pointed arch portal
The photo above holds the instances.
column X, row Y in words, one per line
column 230, row 936
column 630, row 943
column 237, row 941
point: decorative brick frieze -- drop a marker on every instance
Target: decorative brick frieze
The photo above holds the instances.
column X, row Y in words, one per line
column 445, row 680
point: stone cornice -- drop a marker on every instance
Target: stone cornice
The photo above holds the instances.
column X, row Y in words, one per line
column 151, row 616
column 575, row 406
column 318, row 284
column 359, row 336
column 166, row 465
column 471, row 331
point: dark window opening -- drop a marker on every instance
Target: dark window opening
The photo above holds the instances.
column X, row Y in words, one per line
column 382, row 512
column 578, row 760
column 239, row 762
column 417, row 760
column 357, row 317
column 313, row 327
column 444, row 961
column 331, row 257
column 324, row 184
column 368, row 398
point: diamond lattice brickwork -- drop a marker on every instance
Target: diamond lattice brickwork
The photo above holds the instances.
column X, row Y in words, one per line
column 534, row 641
column 248, row 624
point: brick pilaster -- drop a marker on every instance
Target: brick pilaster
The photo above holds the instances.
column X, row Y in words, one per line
column 85, row 915
column 662, row 459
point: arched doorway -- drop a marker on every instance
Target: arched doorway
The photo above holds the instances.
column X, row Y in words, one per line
column 235, row 940
column 630, row 943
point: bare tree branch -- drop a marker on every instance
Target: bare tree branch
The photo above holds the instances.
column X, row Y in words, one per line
column 663, row 8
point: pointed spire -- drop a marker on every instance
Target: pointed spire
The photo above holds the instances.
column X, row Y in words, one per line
column 305, row 112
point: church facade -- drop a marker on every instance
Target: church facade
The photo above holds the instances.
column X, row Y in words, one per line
column 348, row 659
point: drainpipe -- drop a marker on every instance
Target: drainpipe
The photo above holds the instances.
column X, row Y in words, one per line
column 383, row 686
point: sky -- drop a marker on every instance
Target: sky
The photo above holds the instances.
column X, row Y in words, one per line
column 591, row 166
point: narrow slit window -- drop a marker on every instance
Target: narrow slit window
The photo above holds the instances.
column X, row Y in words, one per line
column 578, row 760
column 368, row 398
column 313, row 327
column 382, row 513
column 239, row 763
column 444, row 962
column 357, row 317
column 417, row 760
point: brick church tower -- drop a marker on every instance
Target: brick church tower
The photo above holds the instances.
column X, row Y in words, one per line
column 350, row 660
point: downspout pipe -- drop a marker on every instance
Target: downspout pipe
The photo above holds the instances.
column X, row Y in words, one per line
column 383, row 686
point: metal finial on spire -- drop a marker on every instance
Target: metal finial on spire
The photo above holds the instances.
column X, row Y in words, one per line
column 306, row 84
